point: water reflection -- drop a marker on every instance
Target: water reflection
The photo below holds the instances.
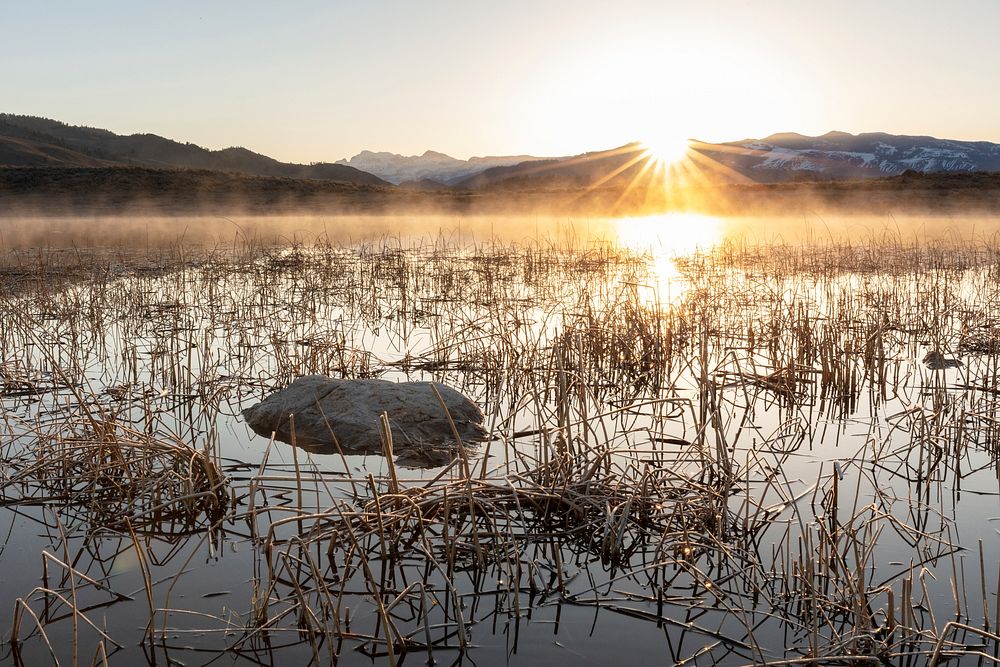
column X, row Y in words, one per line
column 594, row 397
column 665, row 238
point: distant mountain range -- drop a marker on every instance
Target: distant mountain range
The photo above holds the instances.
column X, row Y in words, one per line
column 422, row 171
column 779, row 158
column 29, row 141
column 843, row 156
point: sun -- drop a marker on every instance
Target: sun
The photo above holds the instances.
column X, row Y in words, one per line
column 666, row 148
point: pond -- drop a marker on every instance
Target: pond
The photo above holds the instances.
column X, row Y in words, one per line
column 711, row 441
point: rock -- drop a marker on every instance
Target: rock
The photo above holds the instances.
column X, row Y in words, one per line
column 331, row 411
column 937, row 361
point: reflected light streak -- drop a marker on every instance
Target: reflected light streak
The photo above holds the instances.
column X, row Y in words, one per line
column 665, row 238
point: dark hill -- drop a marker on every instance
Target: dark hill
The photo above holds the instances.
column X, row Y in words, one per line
column 96, row 147
column 33, row 153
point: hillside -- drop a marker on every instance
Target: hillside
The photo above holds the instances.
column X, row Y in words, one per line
column 47, row 166
column 26, row 152
column 27, row 141
column 616, row 167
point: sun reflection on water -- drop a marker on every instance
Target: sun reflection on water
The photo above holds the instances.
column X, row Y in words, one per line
column 666, row 238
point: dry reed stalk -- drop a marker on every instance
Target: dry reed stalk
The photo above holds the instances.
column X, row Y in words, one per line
column 634, row 434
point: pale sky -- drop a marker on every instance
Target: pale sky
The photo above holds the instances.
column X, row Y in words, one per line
column 318, row 81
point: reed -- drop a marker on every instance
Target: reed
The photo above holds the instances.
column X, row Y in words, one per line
column 761, row 468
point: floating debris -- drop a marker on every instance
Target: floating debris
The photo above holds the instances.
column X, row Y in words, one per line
column 937, row 361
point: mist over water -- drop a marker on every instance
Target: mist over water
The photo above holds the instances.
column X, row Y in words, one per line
column 676, row 233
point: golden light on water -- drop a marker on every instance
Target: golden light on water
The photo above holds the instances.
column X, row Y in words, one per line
column 673, row 234
column 666, row 238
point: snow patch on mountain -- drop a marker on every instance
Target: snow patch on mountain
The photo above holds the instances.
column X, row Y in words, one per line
column 938, row 159
column 884, row 149
column 864, row 159
column 783, row 158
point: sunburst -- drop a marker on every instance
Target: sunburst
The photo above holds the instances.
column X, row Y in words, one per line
column 666, row 149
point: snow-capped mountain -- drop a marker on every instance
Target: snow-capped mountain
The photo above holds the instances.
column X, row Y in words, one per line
column 839, row 155
column 431, row 166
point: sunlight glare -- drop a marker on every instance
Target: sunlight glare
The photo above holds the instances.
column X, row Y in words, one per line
column 666, row 238
column 666, row 149
column 669, row 234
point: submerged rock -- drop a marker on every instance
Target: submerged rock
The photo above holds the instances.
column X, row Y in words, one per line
column 331, row 412
column 937, row 361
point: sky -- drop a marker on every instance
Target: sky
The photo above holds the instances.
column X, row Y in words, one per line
column 319, row 81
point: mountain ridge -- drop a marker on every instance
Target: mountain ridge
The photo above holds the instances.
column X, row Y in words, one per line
column 31, row 140
column 778, row 158
column 430, row 166
column 844, row 156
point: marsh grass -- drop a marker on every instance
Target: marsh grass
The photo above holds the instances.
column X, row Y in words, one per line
column 760, row 470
